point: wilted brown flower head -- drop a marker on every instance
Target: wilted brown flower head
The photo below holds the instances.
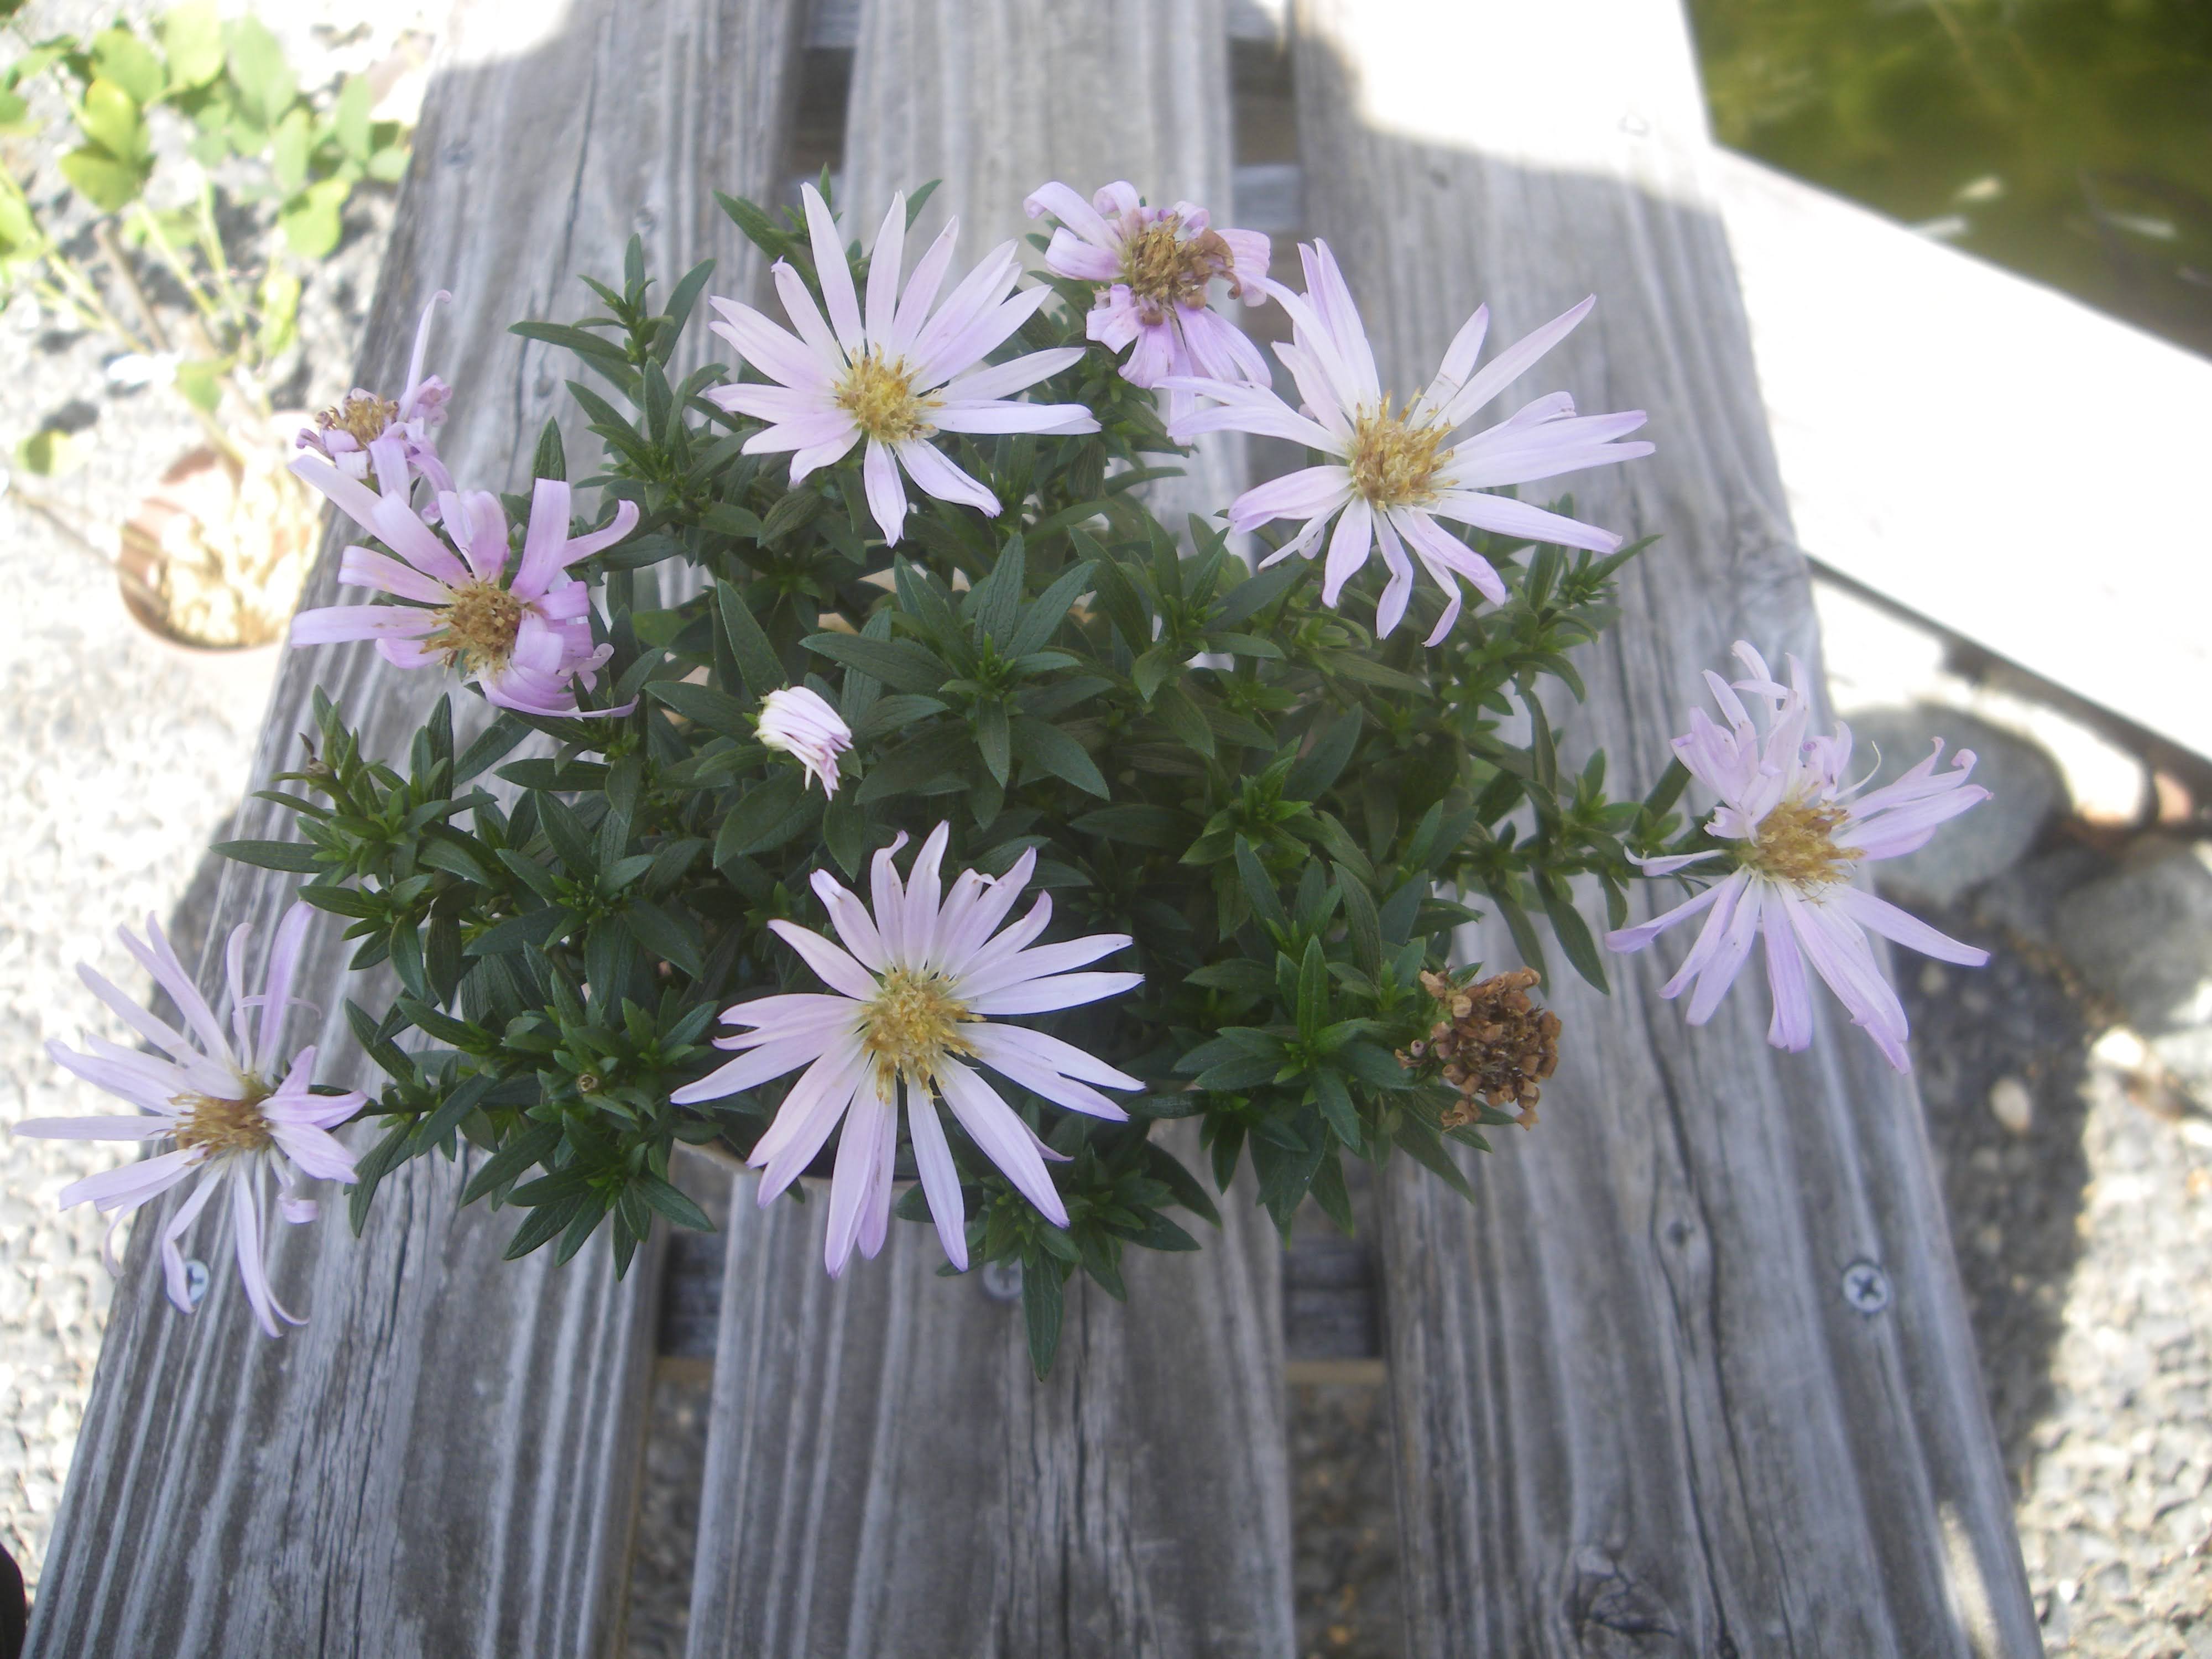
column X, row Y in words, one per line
column 1489, row 1042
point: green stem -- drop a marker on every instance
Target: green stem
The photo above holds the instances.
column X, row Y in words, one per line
column 158, row 239
column 104, row 235
column 217, row 256
column 80, row 293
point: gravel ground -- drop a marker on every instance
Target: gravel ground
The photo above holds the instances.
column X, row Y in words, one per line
column 2081, row 1188
column 2080, row 1200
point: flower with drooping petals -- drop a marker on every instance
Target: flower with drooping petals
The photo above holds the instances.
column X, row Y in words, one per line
column 341, row 435
column 1798, row 830
column 523, row 640
column 920, row 989
column 897, row 376
column 1397, row 472
column 801, row 723
column 232, row 1109
column 1154, row 268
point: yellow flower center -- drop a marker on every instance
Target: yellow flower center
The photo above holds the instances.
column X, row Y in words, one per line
column 479, row 627
column 363, row 415
column 911, row 1025
column 1393, row 463
column 881, row 398
column 1164, row 268
column 224, row 1127
column 1795, row 843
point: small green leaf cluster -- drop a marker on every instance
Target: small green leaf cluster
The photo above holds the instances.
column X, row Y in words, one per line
column 232, row 80
column 300, row 154
column 1283, row 812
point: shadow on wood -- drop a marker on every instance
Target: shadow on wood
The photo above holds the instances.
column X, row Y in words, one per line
column 1635, row 1409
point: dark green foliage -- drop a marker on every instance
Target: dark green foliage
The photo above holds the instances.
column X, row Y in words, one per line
column 1273, row 804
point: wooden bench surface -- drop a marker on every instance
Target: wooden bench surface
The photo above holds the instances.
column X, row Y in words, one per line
column 885, row 1475
column 1635, row 1411
column 442, row 1461
column 1635, row 1414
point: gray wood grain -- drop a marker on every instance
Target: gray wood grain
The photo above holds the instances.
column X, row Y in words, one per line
column 996, row 97
column 441, row 1462
column 1635, row 1414
column 885, row 1476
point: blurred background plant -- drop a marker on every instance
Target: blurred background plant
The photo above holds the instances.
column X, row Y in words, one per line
column 2069, row 140
column 191, row 257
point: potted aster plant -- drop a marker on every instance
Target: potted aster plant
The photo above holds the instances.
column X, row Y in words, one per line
column 966, row 821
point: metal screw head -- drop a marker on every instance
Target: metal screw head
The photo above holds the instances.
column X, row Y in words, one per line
column 1002, row 1281
column 196, row 1281
column 1866, row 1287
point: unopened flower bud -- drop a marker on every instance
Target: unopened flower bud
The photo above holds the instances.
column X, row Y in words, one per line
column 801, row 723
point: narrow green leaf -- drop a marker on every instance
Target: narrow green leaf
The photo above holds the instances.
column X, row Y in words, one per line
column 1182, row 717
column 718, row 711
column 297, row 857
column 671, row 1201
column 1040, row 1311
column 368, row 1173
column 542, row 1224
column 664, row 937
column 995, row 602
column 1336, row 1107
column 741, row 630
column 526, row 1149
column 994, row 741
column 1572, row 932
column 491, row 746
column 752, row 824
column 1259, row 886
column 1313, row 991
column 1256, row 593
column 1421, row 1142
column 1045, row 614
column 899, row 664
column 1052, row 749
column 1142, row 826
column 1322, row 764
column 1362, row 925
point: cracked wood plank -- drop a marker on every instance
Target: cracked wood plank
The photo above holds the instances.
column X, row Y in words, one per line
column 441, row 1462
column 995, row 99
column 1634, row 1412
column 885, row 1475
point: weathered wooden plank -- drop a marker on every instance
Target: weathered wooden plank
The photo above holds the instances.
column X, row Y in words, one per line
column 439, row 1463
column 1957, row 519
column 885, row 1475
column 1331, row 1308
column 997, row 98
column 1635, row 1411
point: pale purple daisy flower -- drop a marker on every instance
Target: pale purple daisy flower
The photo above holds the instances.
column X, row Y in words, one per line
column 801, row 723
column 522, row 640
column 1154, row 267
column 897, row 375
column 1395, row 473
column 919, row 991
column 232, row 1109
column 1799, row 829
column 341, row 435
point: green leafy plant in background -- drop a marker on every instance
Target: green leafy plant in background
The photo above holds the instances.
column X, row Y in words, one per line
column 300, row 154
